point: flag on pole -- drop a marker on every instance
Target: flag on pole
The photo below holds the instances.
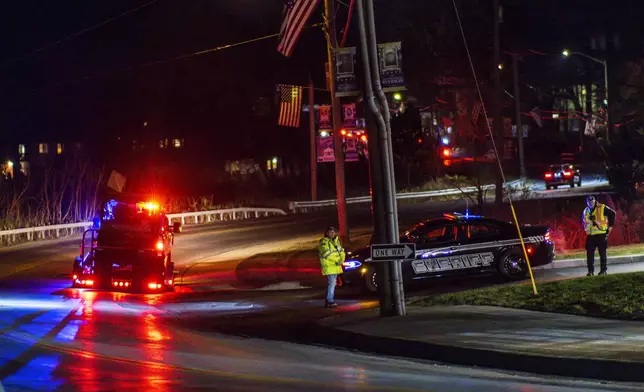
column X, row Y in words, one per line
column 290, row 105
column 476, row 112
column 536, row 114
column 296, row 14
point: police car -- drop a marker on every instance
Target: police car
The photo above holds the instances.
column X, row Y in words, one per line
column 460, row 244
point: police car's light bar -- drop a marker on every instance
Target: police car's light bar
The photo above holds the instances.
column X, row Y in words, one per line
column 457, row 215
column 351, row 264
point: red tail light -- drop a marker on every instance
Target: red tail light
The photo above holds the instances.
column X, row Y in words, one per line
column 446, row 152
column 567, row 174
column 548, row 175
column 159, row 246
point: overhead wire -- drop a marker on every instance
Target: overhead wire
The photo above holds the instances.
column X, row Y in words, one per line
column 78, row 33
column 494, row 146
column 167, row 60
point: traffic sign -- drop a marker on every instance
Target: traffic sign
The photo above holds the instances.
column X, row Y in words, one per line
column 384, row 252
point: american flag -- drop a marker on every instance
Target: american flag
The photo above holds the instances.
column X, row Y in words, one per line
column 296, row 14
column 476, row 112
column 290, row 105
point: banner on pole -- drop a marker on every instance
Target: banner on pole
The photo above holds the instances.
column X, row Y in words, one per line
column 391, row 73
column 349, row 114
column 350, row 149
column 324, row 112
column 325, row 149
column 524, row 127
column 346, row 84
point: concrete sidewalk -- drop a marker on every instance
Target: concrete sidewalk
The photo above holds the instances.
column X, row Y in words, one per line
column 573, row 263
column 511, row 339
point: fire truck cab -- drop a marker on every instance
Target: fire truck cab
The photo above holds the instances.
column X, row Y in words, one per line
column 128, row 248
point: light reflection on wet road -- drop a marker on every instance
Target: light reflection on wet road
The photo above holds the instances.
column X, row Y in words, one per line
column 98, row 341
column 54, row 338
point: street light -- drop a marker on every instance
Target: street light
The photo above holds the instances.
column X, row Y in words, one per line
column 567, row 53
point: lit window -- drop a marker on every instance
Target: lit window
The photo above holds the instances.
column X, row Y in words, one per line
column 43, row 148
column 163, row 143
column 59, row 148
column 271, row 164
column 21, row 149
column 177, row 143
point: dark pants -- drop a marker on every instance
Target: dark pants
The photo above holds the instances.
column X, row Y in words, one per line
column 599, row 242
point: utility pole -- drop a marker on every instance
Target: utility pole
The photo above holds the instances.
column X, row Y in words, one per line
column 383, row 196
column 498, row 117
column 517, row 101
column 340, row 189
column 312, row 143
column 608, row 105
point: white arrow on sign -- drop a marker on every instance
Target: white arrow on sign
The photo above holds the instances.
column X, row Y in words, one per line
column 408, row 251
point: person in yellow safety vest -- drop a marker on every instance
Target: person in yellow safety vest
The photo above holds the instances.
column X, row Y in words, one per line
column 331, row 256
column 598, row 220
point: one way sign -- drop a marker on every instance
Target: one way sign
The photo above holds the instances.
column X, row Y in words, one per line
column 381, row 252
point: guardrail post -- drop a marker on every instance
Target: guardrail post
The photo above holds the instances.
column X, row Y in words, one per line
column 183, row 221
column 208, row 219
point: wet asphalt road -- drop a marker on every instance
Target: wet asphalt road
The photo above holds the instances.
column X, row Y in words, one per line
column 226, row 338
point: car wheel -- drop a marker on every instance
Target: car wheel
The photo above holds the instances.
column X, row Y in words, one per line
column 548, row 187
column 371, row 280
column 512, row 265
column 572, row 184
column 555, row 186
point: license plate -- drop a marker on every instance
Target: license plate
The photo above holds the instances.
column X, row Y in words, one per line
column 557, row 175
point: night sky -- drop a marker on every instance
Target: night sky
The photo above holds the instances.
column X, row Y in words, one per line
column 58, row 93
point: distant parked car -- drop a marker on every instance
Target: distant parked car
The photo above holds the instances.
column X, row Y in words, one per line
column 564, row 174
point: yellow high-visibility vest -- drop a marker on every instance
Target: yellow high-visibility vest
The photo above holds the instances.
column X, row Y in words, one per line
column 601, row 222
column 331, row 255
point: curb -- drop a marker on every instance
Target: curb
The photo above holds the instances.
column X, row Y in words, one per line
column 572, row 263
column 606, row 370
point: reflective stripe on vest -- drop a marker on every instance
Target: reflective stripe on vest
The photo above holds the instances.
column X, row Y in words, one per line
column 601, row 225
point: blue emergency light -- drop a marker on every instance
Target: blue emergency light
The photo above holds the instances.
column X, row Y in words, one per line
column 351, row 264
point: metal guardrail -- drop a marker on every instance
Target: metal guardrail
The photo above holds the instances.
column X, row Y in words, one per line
column 305, row 206
column 8, row 237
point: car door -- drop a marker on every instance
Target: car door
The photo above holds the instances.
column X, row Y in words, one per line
column 480, row 243
column 431, row 241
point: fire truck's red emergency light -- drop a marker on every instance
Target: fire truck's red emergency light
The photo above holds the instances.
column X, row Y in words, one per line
column 159, row 246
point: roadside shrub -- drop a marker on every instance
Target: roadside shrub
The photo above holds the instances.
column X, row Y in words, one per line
column 568, row 233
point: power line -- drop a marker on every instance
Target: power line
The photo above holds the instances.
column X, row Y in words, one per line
column 77, row 34
column 168, row 60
